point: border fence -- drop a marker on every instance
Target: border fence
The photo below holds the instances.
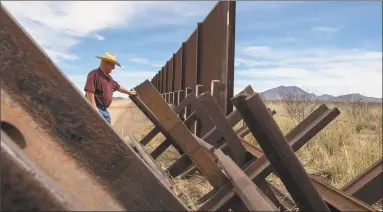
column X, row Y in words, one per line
column 207, row 55
column 59, row 154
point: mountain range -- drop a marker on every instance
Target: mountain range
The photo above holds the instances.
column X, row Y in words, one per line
column 274, row 94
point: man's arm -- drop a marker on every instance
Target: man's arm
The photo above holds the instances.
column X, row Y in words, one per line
column 90, row 89
column 90, row 97
column 125, row 91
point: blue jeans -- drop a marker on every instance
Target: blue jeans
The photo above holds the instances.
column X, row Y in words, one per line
column 105, row 113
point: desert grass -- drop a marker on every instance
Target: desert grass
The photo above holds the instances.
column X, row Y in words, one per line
column 342, row 150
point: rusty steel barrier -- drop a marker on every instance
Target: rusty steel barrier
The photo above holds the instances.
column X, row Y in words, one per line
column 60, row 154
column 66, row 138
column 208, row 54
column 257, row 166
column 367, row 185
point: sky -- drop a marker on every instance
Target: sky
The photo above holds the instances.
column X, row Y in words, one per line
column 323, row 47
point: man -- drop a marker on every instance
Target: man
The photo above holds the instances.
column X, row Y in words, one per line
column 100, row 85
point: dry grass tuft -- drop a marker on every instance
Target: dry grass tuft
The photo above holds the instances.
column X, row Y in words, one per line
column 345, row 148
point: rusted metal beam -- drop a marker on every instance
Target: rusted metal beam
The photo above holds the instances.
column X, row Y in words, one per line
column 164, row 77
column 160, row 148
column 172, row 98
column 148, row 113
column 215, row 134
column 211, row 137
column 177, row 109
column 238, row 152
column 150, row 162
column 161, row 81
column 188, row 111
column 277, row 197
column 184, row 162
column 249, row 193
column 245, row 189
column 232, row 119
column 201, row 126
column 367, row 186
column 335, row 199
column 177, row 60
column 261, row 168
column 80, row 138
column 279, row 153
column 148, row 137
column 175, row 98
column 217, row 31
column 216, row 88
column 173, row 128
column 199, row 112
column 165, row 144
column 25, row 187
column 181, row 96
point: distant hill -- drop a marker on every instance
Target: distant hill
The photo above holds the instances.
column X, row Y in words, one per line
column 273, row 94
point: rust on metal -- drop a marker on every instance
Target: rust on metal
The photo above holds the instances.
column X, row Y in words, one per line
column 160, row 148
column 164, row 76
column 148, row 137
column 334, row 198
column 156, row 81
column 172, row 127
column 150, row 161
column 217, row 52
column 148, row 113
column 250, row 194
column 238, row 152
column 161, row 79
column 216, row 88
column 175, row 98
column 279, row 153
column 38, row 99
column 215, row 134
column 25, row 187
column 367, row 186
column 191, row 62
column 165, row 144
column 211, row 137
column 169, row 68
column 177, row 58
column 261, row 168
column 180, row 98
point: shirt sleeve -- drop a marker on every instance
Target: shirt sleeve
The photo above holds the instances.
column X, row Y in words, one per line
column 116, row 86
column 90, row 83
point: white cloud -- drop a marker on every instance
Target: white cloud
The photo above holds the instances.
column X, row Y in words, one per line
column 57, row 26
column 99, row 37
column 256, row 49
column 139, row 60
column 250, row 62
column 326, row 29
column 60, row 56
column 330, row 71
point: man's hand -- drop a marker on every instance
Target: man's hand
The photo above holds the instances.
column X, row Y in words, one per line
column 130, row 93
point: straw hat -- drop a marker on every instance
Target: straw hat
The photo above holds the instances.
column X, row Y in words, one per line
column 109, row 57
